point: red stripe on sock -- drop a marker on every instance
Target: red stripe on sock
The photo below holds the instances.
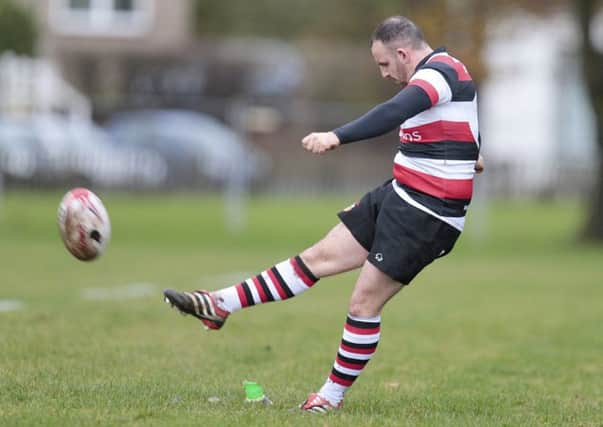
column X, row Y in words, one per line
column 260, row 290
column 336, row 379
column 361, row 331
column 370, row 350
column 242, row 297
column 300, row 272
column 356, row 366
column 279, row 288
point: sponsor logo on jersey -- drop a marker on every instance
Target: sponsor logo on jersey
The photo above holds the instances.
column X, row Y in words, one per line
column 413, row 136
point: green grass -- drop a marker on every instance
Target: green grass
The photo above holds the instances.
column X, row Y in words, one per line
column 504, row 331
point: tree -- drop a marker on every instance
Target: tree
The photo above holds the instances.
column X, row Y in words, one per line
column 592, row 66
column 18, row 29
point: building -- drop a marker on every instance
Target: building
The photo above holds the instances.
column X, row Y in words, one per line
column 95, row 42
column 538, row 128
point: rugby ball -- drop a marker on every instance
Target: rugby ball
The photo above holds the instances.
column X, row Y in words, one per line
column 84, row 224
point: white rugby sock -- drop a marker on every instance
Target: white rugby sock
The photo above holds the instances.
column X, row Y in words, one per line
column 358, row 345
column 283, row 281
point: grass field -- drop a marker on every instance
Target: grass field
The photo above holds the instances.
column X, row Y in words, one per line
column 505, row 331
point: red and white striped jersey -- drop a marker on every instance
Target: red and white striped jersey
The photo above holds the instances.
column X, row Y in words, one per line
column 434, row 167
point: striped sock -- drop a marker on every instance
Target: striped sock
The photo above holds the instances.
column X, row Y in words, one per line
column 359, row 344
column 283, row 281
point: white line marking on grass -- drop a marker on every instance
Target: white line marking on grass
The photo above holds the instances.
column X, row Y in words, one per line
column 225, row 279
column 7, row 305
column 130, row 291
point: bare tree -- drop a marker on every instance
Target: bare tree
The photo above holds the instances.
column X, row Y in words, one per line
column 592, row 65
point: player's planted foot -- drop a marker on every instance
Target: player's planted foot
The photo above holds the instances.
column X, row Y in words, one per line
column 200, row 304
column 317, row 404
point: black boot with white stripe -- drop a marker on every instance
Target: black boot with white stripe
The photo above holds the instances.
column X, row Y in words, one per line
column 200, row 304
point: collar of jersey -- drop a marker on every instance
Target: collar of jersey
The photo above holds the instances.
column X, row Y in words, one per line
column 424, row 60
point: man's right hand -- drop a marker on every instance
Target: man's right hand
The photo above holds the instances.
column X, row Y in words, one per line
column 480, row 165
column 320, row 142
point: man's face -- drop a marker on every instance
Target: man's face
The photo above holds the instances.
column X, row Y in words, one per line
column 391, row 62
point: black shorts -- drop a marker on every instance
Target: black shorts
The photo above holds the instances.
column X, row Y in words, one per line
column 400, row 238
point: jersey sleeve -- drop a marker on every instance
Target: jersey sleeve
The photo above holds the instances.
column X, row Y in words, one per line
column 434, row 84
column 385, row 117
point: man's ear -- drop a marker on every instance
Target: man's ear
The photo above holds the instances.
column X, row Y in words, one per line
column 402, row 54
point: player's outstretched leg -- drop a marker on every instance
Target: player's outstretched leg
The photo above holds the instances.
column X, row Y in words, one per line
column 337, row 252
column 280, row 282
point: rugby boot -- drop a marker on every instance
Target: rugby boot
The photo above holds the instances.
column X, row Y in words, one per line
column 317, row 404
column 200, row 304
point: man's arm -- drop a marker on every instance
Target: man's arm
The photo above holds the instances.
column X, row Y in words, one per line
column 385, row 117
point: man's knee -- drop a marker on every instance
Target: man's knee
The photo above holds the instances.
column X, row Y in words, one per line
column 372, row 291
column 316, row 256
column 363, row 307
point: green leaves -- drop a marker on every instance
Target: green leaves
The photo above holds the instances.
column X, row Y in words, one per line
column 17, row 28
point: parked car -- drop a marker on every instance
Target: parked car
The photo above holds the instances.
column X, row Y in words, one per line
column 63, row 149
column 17, row 151
column 199, row 149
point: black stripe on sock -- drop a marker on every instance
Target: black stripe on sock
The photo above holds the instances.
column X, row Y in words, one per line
column 248, row 293
column 361, row 324
column 343, row 376
column 265, row 287
column 305, row 269
column 350, row 360
column 357, row 345
column 282, row 282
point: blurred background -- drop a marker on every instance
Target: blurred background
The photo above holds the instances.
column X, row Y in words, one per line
column 207, row 96
column 186, row 116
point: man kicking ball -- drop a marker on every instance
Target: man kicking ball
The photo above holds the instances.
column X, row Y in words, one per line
column 396, row 229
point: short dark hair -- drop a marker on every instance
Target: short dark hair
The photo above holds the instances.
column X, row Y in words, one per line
column 398, row 28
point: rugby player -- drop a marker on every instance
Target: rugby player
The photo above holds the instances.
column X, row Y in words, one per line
column 396, row 229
